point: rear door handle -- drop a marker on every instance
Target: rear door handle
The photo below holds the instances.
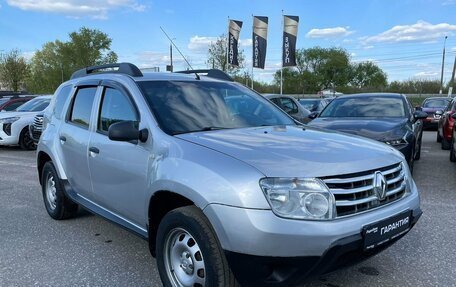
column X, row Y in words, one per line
column 62, row 139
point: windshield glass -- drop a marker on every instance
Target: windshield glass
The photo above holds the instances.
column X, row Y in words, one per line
column 35, row 105
column 182, row 106
column 4, row 100
column 359, row 107
column 435, row 103
column 309, row 104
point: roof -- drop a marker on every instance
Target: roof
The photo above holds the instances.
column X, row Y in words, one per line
column 365, row 95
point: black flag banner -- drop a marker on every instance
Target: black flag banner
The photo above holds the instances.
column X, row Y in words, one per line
column 290, row 33
column 234, row 30
column 259, row 39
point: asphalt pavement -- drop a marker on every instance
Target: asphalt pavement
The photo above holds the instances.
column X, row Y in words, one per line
column 36, row 250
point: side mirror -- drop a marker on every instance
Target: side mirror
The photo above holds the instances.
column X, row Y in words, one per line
column 313, row 115
column 420, row 115
column 453, row 116
column 418, row 108
column 439, row 112
column 127, row 131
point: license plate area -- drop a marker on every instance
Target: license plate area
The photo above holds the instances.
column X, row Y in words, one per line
column 381, row 232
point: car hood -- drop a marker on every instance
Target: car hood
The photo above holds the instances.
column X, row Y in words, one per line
column 296, row 151
column 5, row 115
column 373, row 128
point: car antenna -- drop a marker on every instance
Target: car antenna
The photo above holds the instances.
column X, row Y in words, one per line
column 177, row 48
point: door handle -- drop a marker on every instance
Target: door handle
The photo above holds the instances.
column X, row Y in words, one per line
column 94, row 150
column 62, row 139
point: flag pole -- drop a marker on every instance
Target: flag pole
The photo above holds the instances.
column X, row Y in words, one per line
column 227, row 44
column 281, row 69
column 253, row 44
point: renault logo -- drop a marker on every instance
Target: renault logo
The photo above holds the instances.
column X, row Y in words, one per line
column 379, row 185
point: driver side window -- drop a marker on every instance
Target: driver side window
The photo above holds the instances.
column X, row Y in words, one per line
column 115, row 107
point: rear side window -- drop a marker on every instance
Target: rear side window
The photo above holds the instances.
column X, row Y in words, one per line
column 82, row 106
column 60, row 100
column 115, row 107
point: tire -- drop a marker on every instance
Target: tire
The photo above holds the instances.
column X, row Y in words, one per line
column 445, row 144
column 452, row 151
column 188, row 251
column 411, row 162
column 57, row 204
column 439, row 138
column 418, row 154
column 25, row 140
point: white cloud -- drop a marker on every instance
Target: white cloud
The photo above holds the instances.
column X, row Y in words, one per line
column 449, row 2
column 97, row 9
column 427, row 74
column 421, row 31
column 329, row 32
column 199, row 44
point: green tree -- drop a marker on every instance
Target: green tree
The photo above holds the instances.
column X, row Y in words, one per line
column 217, row 59
column 57, row 60
column 13, row 70
column 367, row 75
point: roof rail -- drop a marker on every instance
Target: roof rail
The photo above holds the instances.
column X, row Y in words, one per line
column 122, row 68
column 211, row 73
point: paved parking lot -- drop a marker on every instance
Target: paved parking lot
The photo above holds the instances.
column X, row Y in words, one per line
column 89, row 251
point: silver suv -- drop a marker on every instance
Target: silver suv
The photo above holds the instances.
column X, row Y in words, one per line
column 227, row 188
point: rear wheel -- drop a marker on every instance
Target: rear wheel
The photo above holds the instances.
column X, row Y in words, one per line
column 452, row 151
column 57, row 204
column 25, row 140
column 445, row 144
column 188, row 252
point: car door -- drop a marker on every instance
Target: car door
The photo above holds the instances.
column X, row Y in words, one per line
column 74, row 135
column 119, row 170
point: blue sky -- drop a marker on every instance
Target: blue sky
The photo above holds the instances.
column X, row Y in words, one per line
column 404, row 37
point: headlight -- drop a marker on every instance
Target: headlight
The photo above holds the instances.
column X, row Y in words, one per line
column 299, row 198
column 396, row 142
column 408, row 179
column 8, row 120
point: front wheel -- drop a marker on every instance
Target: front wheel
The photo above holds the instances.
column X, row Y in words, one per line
column 57, row 204
column 25, row 140
column 188, row 252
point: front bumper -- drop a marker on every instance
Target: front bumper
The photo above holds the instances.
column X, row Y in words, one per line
column 286, row 250
column 285, row 271
column 431, row 122
column 8, row 139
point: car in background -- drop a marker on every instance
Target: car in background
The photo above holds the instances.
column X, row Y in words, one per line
column 36, row 127
column 10, row 103
column 291, row 106
column 314, row 104
column 431, row 106
column 445, row 125
column 14, row 126
column 453, row 141
column 388, row 118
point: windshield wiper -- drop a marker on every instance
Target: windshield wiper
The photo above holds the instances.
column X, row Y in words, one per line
column 205, row 129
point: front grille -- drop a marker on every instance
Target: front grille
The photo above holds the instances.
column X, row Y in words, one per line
column 354, row 193
column 37, row 127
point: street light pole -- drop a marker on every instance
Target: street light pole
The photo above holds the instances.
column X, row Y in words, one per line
column 443, row 66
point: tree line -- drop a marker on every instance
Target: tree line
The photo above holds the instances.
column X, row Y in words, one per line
column 317, row 68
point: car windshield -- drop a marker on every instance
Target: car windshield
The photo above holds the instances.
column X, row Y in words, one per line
column 360, row 107
column 4, row 100
column 435, row 103
column 183, row 106
column 35, row 105
column 309, row 104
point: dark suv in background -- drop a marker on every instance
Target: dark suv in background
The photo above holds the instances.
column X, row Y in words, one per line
column 388, row 118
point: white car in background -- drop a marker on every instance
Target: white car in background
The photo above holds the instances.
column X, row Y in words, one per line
column 14, row 125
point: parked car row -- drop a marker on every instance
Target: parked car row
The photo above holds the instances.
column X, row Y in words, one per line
column 14, row 125
column 227, row 188
column 11, row 102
